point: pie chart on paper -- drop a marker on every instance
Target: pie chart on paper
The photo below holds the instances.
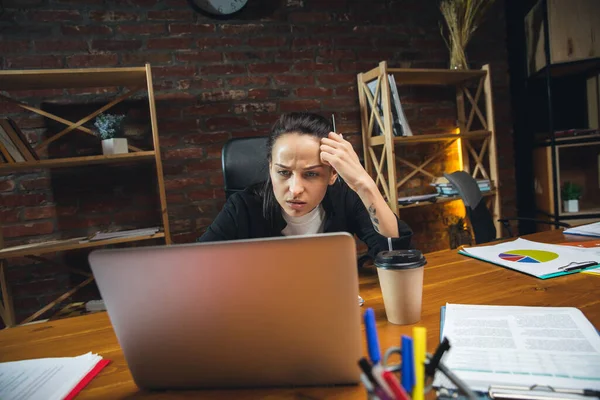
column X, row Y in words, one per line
column 528, row 256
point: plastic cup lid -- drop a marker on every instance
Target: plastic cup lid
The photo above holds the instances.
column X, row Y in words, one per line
column 400, row 259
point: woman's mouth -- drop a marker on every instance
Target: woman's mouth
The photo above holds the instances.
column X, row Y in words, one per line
column 296, row 205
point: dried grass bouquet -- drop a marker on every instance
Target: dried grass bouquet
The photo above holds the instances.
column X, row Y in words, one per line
column 463, row 17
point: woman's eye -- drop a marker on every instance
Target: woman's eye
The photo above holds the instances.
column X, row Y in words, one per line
column 311, row 174
column 286, row 174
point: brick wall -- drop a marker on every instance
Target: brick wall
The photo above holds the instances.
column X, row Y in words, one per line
column 215, row 80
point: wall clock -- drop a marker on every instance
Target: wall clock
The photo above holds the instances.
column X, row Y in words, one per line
column 217, row 8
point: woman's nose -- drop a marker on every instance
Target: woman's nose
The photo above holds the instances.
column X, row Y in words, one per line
column 296, row 186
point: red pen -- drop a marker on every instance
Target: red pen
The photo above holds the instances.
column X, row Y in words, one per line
column 394, row 384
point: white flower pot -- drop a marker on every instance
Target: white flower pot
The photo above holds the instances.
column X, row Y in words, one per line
column 114, row 146
column 571, row 205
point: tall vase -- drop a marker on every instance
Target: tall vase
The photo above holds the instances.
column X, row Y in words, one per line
column 458, row 58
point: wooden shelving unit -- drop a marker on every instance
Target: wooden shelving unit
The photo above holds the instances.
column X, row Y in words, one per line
column 380, row 151
column 133, row 80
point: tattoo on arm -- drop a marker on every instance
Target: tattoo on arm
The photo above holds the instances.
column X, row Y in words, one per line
column 374, row 219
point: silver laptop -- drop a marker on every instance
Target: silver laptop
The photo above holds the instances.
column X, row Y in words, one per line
column 251, row 313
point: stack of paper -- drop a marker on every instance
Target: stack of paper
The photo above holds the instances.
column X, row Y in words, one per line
column 415, row 199
column 122, row 234
column 48, row 378
column 537, row 259
column 520, row 347
column 585, row 230
column 592, row 246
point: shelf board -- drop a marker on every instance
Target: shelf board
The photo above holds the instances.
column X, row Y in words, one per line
column 583, row 139
column 438, row 137
column 569, row 68
column 79, row 161
column 589, row 219
column 420, row 76
column 35, row 249
column 586, row 211
column 444, row 199
column 71, row 78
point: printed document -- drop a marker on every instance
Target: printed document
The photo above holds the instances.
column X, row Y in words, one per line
column 585, row 230
column 44, row 378
column 538, row 259
column 521, row 346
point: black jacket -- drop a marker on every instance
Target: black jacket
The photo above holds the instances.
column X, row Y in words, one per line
column 242, row 218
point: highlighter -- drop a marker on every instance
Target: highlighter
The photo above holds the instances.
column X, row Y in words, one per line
column 420, row 347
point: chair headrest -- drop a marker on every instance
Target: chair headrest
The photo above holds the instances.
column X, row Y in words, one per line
column 244, row 163
column 467, row 187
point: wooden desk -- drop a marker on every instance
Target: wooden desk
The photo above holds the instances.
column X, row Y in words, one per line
column 449, row 277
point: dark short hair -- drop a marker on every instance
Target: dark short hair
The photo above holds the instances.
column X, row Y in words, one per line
column 296, row 122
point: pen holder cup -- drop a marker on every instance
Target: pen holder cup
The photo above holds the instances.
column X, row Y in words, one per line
column 400, row 275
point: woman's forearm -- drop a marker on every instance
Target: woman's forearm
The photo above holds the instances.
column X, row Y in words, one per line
column 383, row 219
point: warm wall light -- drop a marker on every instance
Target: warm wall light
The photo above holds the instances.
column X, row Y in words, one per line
column 459, row 150
column 456, row 207
column 455, row 164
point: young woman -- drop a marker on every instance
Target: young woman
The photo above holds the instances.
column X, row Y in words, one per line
column 303, row 194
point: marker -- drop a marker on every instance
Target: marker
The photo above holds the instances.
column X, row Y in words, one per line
column 378, row 372
column 375, row 392
column 374, row 352
column 371, row 333
column 408, row 364
column 368, row 385
column 392, row 381
column 420, row 347
column 437, row 356
column 380, row 386
column 366, row 368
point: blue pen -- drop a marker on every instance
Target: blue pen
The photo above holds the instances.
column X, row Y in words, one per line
column 371, row 332
column 408, row 364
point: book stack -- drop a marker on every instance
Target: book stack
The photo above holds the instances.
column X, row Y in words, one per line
column 14, row 146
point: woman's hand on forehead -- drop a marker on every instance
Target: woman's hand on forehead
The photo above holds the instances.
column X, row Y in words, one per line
column 339, row 153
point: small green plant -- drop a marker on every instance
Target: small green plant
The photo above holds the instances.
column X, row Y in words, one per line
column 109, row 125
column 571, row 191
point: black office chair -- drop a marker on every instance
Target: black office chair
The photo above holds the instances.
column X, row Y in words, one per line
column 479, row 215
column 244, row 163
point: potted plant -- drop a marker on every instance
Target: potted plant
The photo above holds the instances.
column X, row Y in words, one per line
column 571, row 193
column 109, row 128
column 458, row 234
